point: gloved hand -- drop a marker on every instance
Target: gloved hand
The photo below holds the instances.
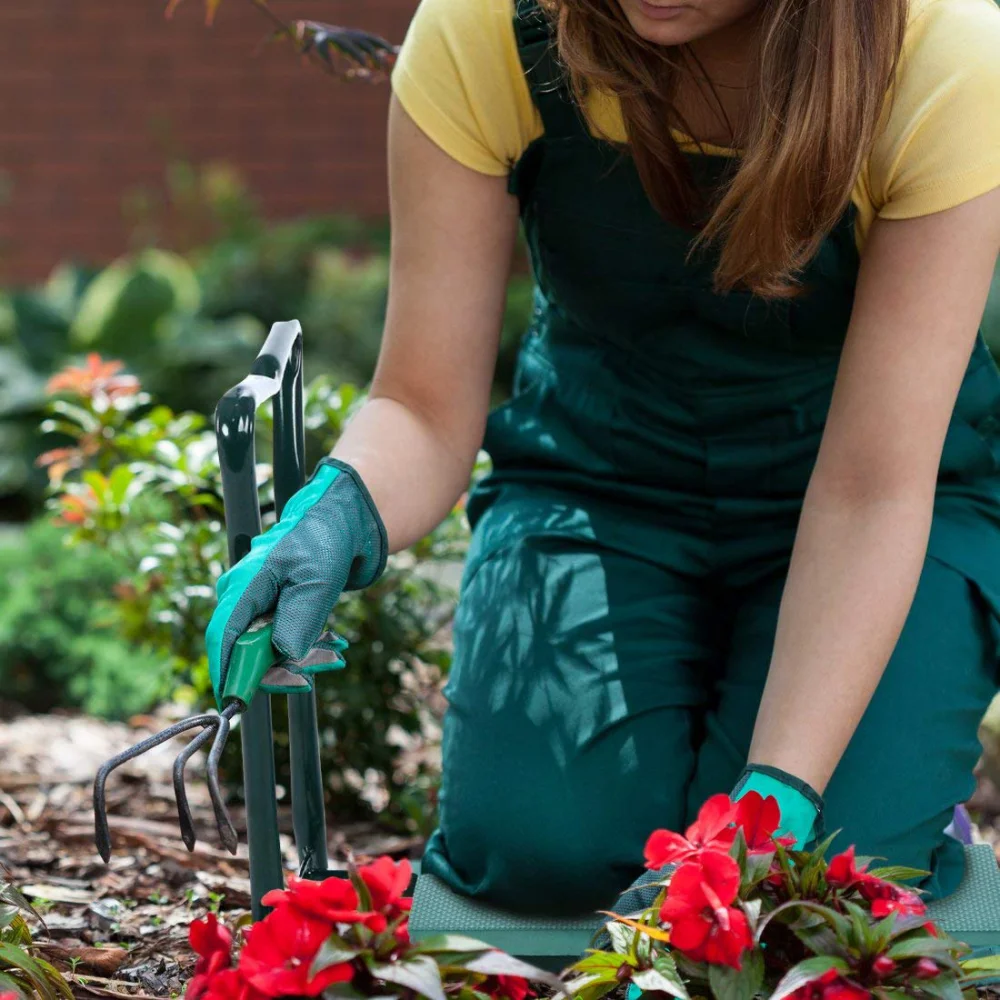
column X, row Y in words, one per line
column 801, row 806
column 329, row 538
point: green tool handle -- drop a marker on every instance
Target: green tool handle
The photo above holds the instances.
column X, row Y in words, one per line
column 254, row 665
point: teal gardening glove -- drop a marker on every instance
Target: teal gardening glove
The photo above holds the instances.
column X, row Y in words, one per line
column 801, row 812
column 800, row 805
column 329, row 538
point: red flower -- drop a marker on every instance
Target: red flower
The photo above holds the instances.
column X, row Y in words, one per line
column 333, row 899
column 703, row 924
column 386, row 881
column 213, row 945
column 280, row 950
column 509, row 987
column 830, row 986
column 842, row 873
column 230, row 985
column 759, row 818
column 887, row 898
column 927, row 968
column 712, row 831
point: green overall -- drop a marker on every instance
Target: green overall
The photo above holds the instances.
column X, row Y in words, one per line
column 618, row 607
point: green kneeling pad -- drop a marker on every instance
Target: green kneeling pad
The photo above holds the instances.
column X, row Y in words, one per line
column 971, row 914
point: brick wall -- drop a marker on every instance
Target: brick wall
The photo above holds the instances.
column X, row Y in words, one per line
column 95, row 92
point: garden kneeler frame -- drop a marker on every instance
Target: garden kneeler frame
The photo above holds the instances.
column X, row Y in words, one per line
column 972, row 914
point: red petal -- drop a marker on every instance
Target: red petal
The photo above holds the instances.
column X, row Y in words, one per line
column 341, row 973
column 713, row 818
column 665, row 847
column 759, row 818
column 689, row 933
column 722, row 873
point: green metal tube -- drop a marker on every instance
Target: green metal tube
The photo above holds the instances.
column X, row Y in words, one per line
column 308, row 808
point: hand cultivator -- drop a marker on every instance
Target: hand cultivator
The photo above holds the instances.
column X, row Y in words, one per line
column 256, row 671
column 252, row 668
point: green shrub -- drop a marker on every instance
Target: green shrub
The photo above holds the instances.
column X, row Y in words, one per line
column 58, row 642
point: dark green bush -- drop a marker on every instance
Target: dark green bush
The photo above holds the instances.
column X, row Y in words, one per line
column 58, row 643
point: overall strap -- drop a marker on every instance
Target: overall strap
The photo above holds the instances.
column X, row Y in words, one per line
column 547, row 81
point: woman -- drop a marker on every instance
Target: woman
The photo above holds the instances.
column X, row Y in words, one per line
column 743, row 525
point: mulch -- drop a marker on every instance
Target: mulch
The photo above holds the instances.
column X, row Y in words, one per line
column 120, row 930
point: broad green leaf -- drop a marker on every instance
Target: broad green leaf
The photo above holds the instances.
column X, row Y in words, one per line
column 498, row 963
column 662, row 977
column 943, row 987
column 806, row 972
column 622, row 937
column 599, row 961
column 988, row 963
column 7, row 915
column 591, row 986
column 924, row 946
column 448, row 942
column 333, row 951
column 742, row 984
column 420, row 974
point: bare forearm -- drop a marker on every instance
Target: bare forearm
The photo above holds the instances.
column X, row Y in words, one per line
column 413, row 473
column 853, row 575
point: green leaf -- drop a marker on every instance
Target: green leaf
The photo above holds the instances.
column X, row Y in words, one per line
column 898, row 873
column 662, row 977
column 498, row 963
column 7, row 915
column 448, row 942
column 738, row 984
column 119, row 481
column 821, row 940
column 805, row 972
column 333, row 951
column 622, row 937
column 9, row 983
column 420, row 974
column 988, row 963
column 923, row 946
column 591, row 986
column 32, row 969
column 599, row 961
column 943, row 987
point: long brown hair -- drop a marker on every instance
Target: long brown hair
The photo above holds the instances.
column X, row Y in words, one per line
column 825, row 69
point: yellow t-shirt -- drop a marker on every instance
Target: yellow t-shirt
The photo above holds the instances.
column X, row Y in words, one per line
column 460, row 79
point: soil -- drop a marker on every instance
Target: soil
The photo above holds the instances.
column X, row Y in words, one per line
column 121, row 929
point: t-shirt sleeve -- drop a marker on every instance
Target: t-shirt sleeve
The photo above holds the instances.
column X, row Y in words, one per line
column 941, row 144
column 459, row 78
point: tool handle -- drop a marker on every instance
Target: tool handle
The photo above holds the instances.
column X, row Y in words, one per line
column 254, row 664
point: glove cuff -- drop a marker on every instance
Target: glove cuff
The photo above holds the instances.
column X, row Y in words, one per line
column 802, row 805
column 369, row 562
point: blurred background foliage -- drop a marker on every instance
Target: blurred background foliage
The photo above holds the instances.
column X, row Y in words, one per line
column 110, row 490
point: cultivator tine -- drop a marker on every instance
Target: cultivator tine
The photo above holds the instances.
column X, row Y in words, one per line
column 227, row 832
column 184, row 816
column 215, row 728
